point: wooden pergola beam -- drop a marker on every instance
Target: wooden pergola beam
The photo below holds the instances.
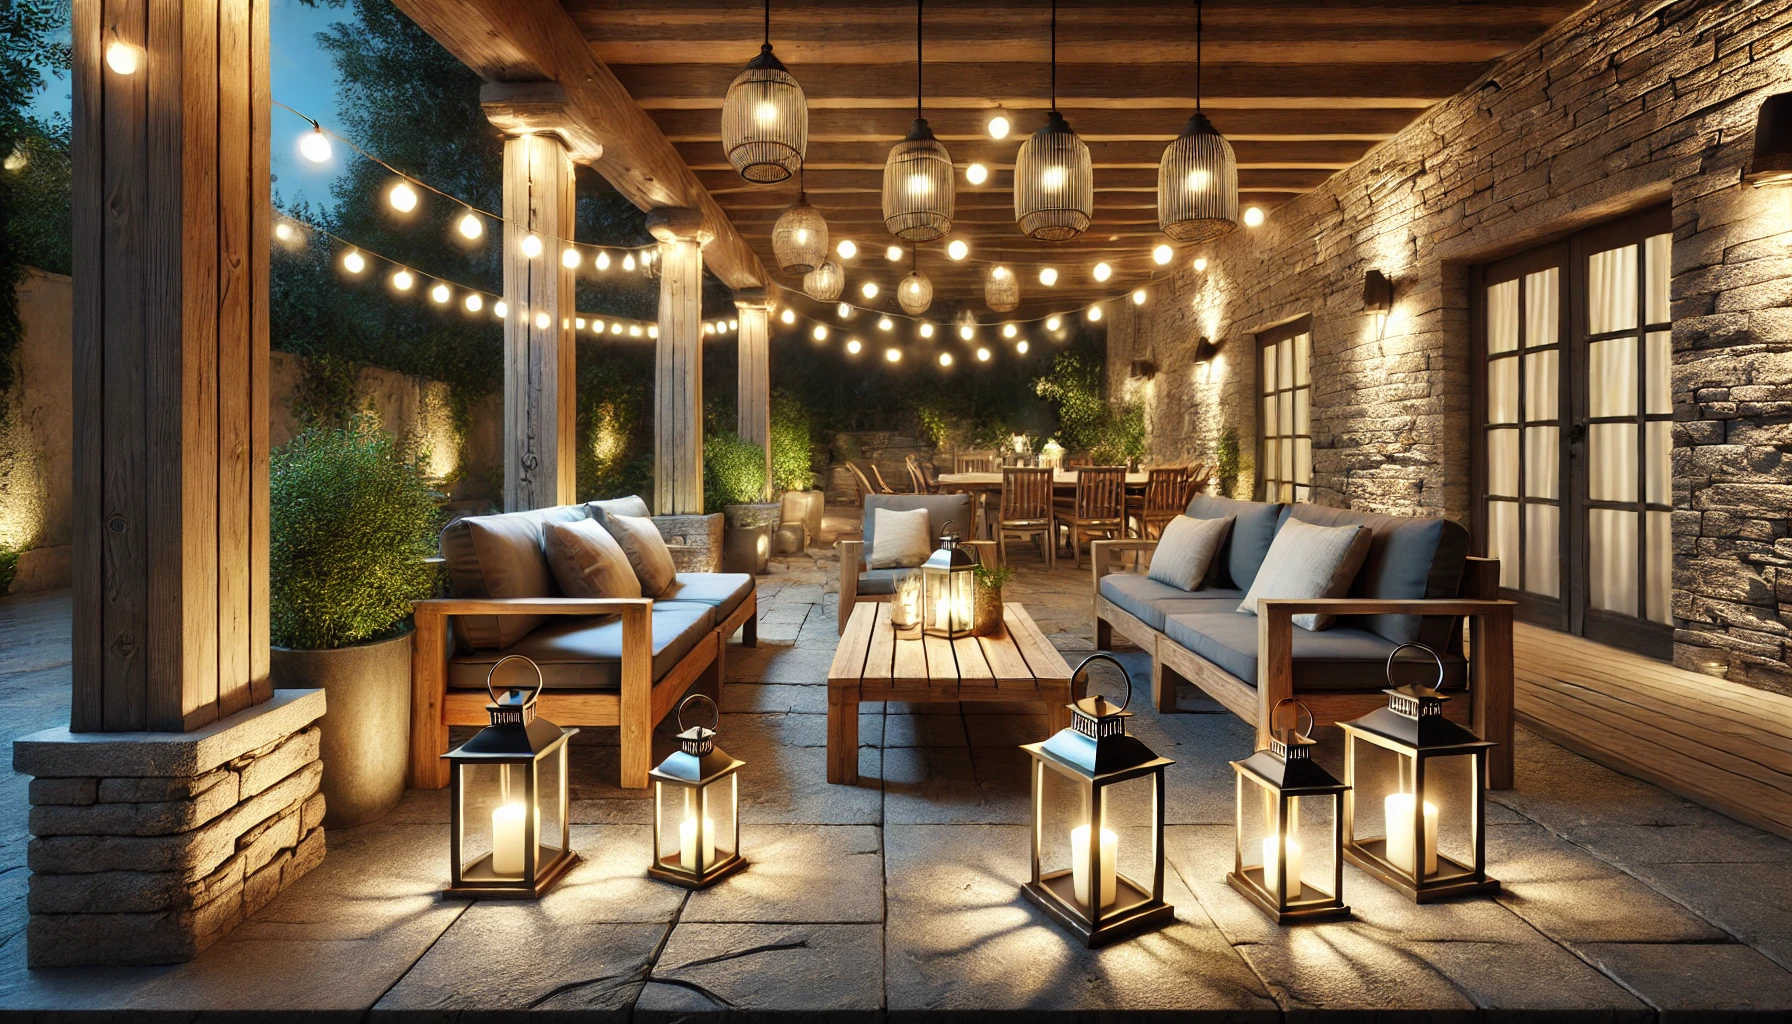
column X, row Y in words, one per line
column 517, row 41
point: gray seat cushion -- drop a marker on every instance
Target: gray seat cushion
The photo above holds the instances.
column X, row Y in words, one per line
column 1241, row 554
column 1149, row 601
column 585, row 653
column 1408, row 559
column 723, row 591
column 941, row 509
column 501, row 556
column 1340, row 658
column 879, row 582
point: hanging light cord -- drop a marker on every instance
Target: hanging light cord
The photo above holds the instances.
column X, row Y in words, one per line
column 1197, row 56
column 1054, row 54
column 918, row 4
column 768, row 24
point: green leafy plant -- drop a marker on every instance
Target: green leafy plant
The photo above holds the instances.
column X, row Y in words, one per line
column 9, row 567
column 1074, row 386
column 992, row 577
column 793, row 446
column 1226, row 455
column 733, row 470
column 351, row 520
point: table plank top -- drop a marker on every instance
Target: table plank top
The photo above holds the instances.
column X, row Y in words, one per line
column 870, row 653
column 1060, row 478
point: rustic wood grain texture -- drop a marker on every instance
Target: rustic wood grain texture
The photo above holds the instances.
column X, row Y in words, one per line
column 753, row 382
column 678, row 378
column 540, row 410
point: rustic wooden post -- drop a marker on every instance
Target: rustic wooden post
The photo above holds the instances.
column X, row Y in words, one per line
column 540, row 418
column 170, row 364
column 678, row 364
column 753, row 400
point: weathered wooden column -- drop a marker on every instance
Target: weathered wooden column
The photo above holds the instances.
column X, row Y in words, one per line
column 678, row 364
column 540, row 414
column 753, row 398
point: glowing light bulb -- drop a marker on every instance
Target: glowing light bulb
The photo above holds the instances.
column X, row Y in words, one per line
column 766, row 114
column 597, row 327
column 945, row 359
column 542, row 320
column 919, row 185
column 603, row 260
column 653, row 330
column 998, row 126
column 1052, row 323
column 1253, row 217
column 926, row 330
column 976, row 174
column 1094, row 313
column 868, row 289
column 634, row 330
column 471, row 226
column 853, row 346
column 957, row 249
column 1198, row 179
column 983, row 355
column 578, row 323
column 967, row 332
column 628, row 261
column 402, row 197
column 734, row 325
column 820, row 332
column 531, row 246
column 1103, row 271
column 893, row 253
column 615, row 328
column 1200, row 264
column 1022, row 347
column 1162, row 254
column 1138, row 296
column 847, row 248
column 314, row 145
column 354, row 263
column 1009, row 330
column 843, row 311
column 15, row 161
column 999, row 273
column 802, row 236
column 893, row 355
column 1053, row 178
column 1048, row 276
column 403, row 280
column 441, row 294
column 474, row 302
column 122, row 58
column 709, row 329
column 788, row 317
column 570, row 259
column 284, row 232
column 885, row 324
column 501, row 309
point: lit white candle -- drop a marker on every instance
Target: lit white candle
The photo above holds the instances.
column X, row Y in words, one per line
column 1269, row 866
column 1079, row 864
column 1397, row 810
column 687, row 836
column 507, row 840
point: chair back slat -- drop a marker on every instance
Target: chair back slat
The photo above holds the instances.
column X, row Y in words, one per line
column 1101, row 492
column 877, row 474
column 974, row 462
column 1166, row 490
column 921, row 472
column 859, row 478
column 1026, row 495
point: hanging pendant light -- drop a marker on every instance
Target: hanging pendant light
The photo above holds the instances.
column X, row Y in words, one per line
column 1197, row 179
column 765, row 117
column 915, row 293
column 825, row 282
column 1054, row 181
column 800, row 238
column 918, row 174
column 1001, row 289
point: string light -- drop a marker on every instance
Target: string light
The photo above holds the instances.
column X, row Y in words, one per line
column 653, row 330
column 284, row 232
column 634, row 330
column 1103, row 271
column 821, row 332
column 628, row 261
column 709, row 329
column 957, row 250
column 314, row 145
column 578, row 323
column 570, row 258
column 1052, row 323
column 998, row 125
column 885, row 324
column 983, row 355
column 1200, row 264
column 597, row 327
column 603, row 260
column 844, row 311
column 402, row 197
column 893, row 355
column 1253, row 217
column 441, row 294
column 945, row 359
column 869, row 289
column 853, row 346
column 976, row 174
column 1162, row 254
column 1009, row 330
column 542, row 320
column 893, row 253
column 470, row 226
column 1048, row 276
column 847, row 249
column 402, row 280
column 1138, row 296
column 1021, row 347
column 967, row 332
column 122, row 58
column 1094, row 313
column 788, row 316
column 353, row 262
column 531, row 246
column 734, row 325
column 502, row 309
column 926, row 329
column 474, row 303
column 615, row 328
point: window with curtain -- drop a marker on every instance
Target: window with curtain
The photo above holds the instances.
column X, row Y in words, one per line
column 1284, row 434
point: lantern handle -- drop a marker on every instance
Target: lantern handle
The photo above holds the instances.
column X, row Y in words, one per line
column 1305, row 734
column 539, row 681
column 715, row 712
column 1395, row 653
column 1083, row 668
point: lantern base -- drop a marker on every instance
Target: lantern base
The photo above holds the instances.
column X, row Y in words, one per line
column 478, row 880
column 668, row 870
column 1249, row 884
column 1452, row 878
column 1055, row 893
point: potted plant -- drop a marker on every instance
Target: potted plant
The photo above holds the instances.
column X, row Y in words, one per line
column 987, row 582
column 793, row 468
column 734, row 481
column 351, row 526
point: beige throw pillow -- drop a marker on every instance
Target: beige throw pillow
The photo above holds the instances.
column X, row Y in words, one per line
column 899, row 540
column 587, row 561
column 1186, row 549
column 1306, row 560
column 646, row 550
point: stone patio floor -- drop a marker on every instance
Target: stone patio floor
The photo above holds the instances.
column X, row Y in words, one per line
column 900, row 896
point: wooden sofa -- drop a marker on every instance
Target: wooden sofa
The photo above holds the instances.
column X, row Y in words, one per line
column 622, row 662
column 1418, row 583
column 859, row 583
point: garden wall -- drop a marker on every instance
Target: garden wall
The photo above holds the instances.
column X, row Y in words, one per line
column 1627, row 104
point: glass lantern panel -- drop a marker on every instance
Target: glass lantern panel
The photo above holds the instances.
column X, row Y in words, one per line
column 962, row 597
column 1386, row 810
column 494, row 817
column 1450, row 787
column 682, row 843
column 1128, row 840
column 550, row 788
column 1307, row 841
column 935, row 602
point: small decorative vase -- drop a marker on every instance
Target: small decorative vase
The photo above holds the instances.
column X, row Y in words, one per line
column 986, row 610
column 905, row 606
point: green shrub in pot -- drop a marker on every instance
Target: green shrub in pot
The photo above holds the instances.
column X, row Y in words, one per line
column 733, row 471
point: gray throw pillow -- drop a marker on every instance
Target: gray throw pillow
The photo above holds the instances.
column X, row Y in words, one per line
column 588, row 562
column 899, row 540
column 646, row 550
column 1186, row 549
column 1309, row 561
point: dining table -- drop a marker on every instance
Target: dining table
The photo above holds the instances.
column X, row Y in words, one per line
column 981, row 486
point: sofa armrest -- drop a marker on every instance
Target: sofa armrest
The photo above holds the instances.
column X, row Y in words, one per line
column 1100, row 549
column 529, row 605
column 852, row 553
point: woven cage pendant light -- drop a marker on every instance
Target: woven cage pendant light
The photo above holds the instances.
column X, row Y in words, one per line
column 800, row 238
column 1197, row 179
column 915, row 293
column 765, row 117
column 825, row 282
column 918, row 181
column 1054, row 181
column 1001, row 289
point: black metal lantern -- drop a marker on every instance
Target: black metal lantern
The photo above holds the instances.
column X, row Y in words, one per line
column 512, row 776
column 696, row 807
column 947, row 591
column 1419, row 777
column 1107, row 769
column 1281, row 776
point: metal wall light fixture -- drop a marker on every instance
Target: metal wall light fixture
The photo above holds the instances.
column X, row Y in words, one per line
column 1378, row 293
column 1772, row 163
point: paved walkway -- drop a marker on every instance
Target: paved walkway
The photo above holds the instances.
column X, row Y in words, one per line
column 901, row 894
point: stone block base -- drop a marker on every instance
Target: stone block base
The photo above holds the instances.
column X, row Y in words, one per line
column 696, row 541
column 148, row 847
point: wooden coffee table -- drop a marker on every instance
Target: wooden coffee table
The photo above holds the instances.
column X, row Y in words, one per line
column 873, row 663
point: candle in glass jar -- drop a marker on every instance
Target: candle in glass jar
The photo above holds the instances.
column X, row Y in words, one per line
column 1269, row 866
column 1398, row 810
column 1079, row 864
column 507, row 840
column 687, row 836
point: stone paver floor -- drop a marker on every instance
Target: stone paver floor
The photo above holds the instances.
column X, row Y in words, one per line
column 901, row 895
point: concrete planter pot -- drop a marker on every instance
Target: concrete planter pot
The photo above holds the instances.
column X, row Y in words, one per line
column 747, row 537
column 805, row 507
column 366, row 725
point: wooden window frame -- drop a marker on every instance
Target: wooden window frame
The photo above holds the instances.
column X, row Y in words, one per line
column 1265, row 340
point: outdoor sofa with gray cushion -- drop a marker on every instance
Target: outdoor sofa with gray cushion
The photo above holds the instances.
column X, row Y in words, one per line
column 858, row 583
column 1417, row 583
column 604, row 661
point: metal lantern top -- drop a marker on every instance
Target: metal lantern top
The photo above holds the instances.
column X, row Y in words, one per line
column 825, row 282
column 697, row 761
column 515, row 733
column 950, row 556
column 918, row 186
column 800, row 238
column 1287, row 765
column 915, row 293
column 1001, row 289
column 765, row 120
column 1414, row 716
column 1097, row 745
column 1197, row 184
column 1054, row 183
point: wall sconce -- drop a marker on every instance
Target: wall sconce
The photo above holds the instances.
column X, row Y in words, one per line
column 1378, row 293
column 1772, row 162
column 1205, row 351
column 1145, row 368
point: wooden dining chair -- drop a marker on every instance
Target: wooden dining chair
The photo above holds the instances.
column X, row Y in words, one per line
column 983, row 461
column 1025, row 512
column 1098, row 507
column 920, row 471
column 864, row 482
column 1199, row 476
column 1167, row 492
column 878, row 476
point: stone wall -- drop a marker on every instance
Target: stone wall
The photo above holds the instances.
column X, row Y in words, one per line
column 1627, row 104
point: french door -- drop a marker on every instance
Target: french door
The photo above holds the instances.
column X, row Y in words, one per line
column 1575, row 412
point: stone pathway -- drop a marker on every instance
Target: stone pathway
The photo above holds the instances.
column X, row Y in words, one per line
column 901, row 895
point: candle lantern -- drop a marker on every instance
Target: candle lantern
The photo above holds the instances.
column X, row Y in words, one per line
column 905, row 605
column 1112, row 774
column 696, row 807
column 947, row 601
column 1422, row 775
column 1280, row 847
column 512, row 776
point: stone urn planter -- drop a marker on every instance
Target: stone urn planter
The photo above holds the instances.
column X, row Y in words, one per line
column 366, row 725
column 747, row 536
column 800, row 516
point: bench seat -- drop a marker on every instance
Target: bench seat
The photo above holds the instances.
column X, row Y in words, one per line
column 1150, row 601
column 1336, row 659
column 585, row 652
